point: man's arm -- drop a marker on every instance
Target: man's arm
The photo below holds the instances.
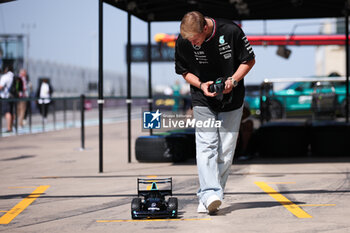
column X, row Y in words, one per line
column 194, row 81
column 242, row 71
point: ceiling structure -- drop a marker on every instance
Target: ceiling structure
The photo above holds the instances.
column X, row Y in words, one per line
column 173, row 10
column 3, row 1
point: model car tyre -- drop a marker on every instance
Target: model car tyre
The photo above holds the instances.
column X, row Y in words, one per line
column 275, row 109
column 135, row 206
column 172, row 206
column 160, row 148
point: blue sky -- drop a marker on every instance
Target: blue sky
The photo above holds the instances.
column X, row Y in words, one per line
column 66, row 31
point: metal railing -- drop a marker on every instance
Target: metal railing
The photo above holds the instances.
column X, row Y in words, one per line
column 68, row 112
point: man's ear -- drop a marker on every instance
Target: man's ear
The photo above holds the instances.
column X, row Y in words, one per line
column 206, row 27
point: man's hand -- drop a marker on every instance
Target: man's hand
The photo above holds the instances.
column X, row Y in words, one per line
column 205, row 89
column 228, row 86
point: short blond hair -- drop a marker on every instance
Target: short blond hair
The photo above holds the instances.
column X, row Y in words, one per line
column 191, row 24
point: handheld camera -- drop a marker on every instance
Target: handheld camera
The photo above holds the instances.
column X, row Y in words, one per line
column 218, row 86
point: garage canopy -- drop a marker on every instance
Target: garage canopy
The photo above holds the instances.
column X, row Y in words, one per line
column 3, row 1
column 174, row 10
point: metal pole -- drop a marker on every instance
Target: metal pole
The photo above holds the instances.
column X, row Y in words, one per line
column 128, row 100
column 149, row 59
column 265, row 27
column 65, row 112
column 42, row 115
column 30, row 115
column 16, row 115
column 27, row 60
column 54, row 113
column 100, row 100
column 74, row 102
column 262, row 104
column 347, row 62
column 82, row 121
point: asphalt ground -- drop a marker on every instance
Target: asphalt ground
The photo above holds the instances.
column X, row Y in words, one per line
column 49, row 185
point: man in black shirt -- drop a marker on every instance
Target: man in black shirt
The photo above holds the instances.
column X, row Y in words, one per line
column 207, row 49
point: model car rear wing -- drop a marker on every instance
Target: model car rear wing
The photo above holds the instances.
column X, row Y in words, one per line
column 152, row 186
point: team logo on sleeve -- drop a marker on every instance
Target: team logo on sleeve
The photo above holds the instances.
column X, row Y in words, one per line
column 247, row 44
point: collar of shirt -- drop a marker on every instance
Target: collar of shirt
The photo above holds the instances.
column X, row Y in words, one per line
column 214, row 30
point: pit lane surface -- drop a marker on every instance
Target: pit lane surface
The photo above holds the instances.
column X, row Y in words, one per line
column 48, row 185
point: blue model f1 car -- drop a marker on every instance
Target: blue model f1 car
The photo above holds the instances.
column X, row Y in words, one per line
column 154, row 204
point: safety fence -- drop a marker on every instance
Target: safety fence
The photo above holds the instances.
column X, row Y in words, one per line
column 79, row 111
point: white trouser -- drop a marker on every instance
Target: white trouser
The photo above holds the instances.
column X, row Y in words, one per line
column 215, row 149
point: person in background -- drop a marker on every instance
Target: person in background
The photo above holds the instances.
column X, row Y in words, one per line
column 186, row 97
column 30, row 94
column 44, row 94
column 208, row 49
column 22, row 105
column 5, row 85
column 246, row 131
column 176, row 94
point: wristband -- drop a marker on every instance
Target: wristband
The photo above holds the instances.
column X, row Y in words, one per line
column 200, row 85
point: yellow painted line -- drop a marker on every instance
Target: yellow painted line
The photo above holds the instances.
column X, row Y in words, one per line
column 280, row 182
column 22, row 205
column 289, row 205
column 157, row 220
column 22, row 187
column 152, row 176
column 317, row 205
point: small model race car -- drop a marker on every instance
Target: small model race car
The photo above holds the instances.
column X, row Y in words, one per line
column 154, row 204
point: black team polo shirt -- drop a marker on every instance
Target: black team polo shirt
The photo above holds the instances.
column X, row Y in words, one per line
column 219, row 56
